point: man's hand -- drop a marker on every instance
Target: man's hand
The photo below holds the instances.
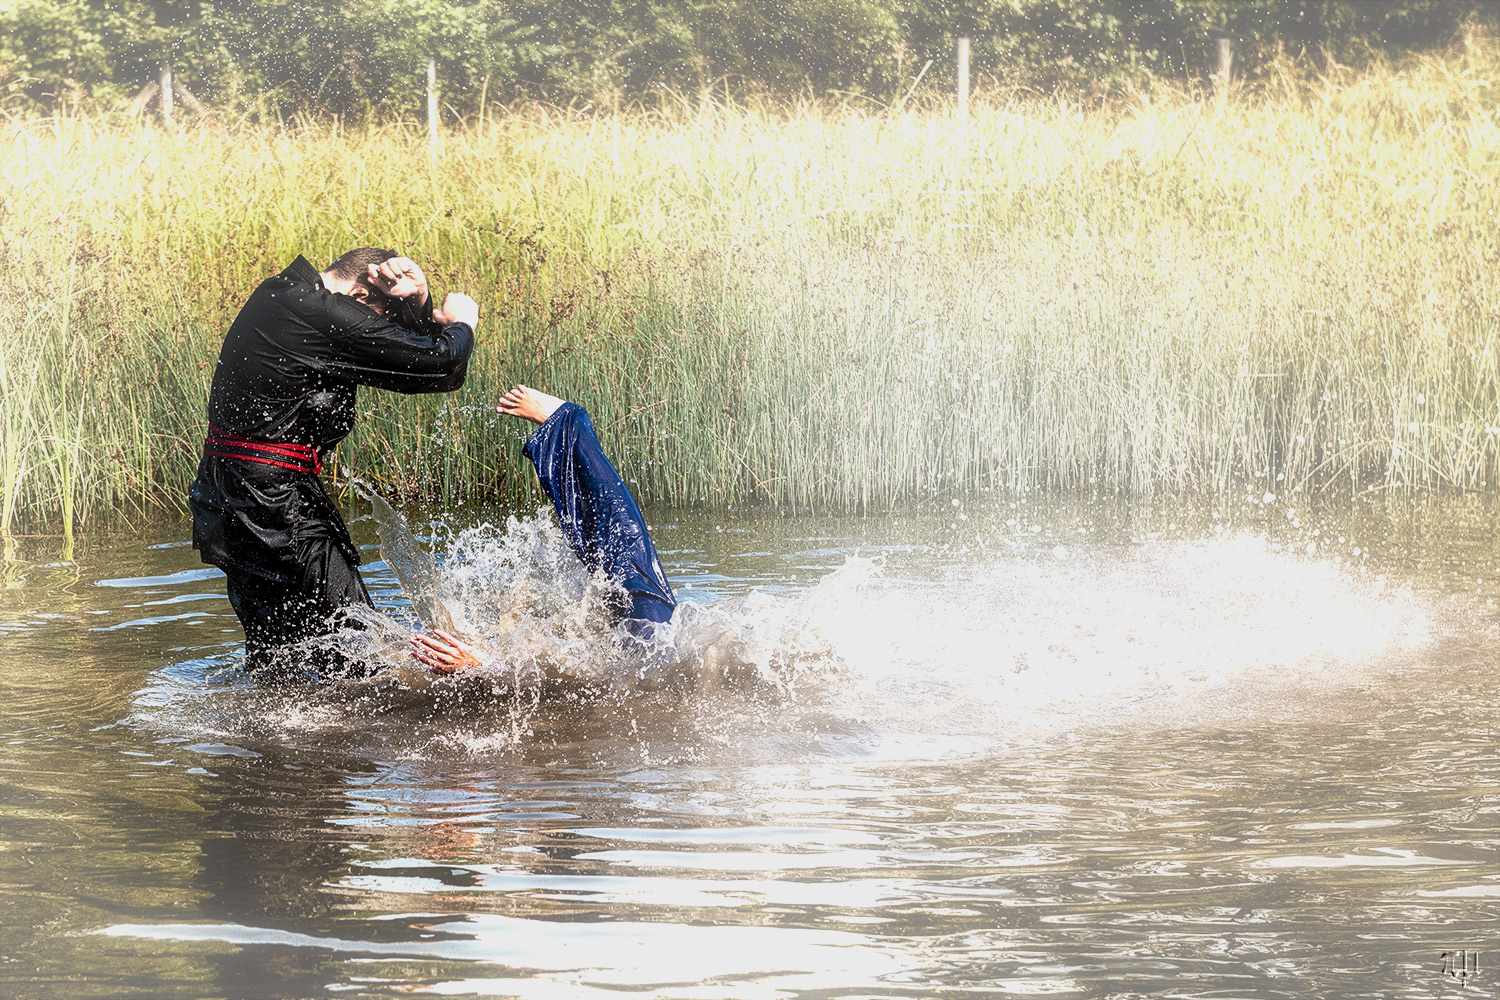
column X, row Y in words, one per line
column 400, row 278
column 457, row 308
column 443, row 653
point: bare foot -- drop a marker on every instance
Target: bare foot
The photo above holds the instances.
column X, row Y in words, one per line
column 443, row 653
column 529, row 404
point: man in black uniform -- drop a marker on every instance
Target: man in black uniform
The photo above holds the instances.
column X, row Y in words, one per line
column 283, row 396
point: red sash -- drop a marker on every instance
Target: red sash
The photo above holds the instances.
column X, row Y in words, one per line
column 297, row 457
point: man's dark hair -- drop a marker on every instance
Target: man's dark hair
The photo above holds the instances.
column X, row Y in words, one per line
column 355, row 265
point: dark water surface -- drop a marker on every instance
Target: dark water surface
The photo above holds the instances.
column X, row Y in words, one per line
column 1058, row 748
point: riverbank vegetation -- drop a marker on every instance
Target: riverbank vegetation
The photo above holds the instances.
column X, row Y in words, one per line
column 1290, row 288
column 367, row 60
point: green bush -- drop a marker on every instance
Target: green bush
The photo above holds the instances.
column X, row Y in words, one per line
column 366, row 59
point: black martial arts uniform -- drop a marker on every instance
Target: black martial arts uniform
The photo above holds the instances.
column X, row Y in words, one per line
column 283, row 396
column 598, row 514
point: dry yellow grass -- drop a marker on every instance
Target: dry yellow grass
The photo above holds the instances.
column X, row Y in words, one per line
column 1294, row 289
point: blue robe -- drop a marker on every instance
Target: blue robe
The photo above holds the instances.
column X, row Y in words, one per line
column 598, row 514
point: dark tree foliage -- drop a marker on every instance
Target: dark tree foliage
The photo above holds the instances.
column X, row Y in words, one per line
column 1103, row 44
column 368, row 58
column 628, row 48
column 349, row 57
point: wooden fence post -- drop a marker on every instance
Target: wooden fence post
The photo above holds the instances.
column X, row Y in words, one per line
column 1223, row 63
column 432, row 103
column 484, row 94
column 165, row 83
column 963, row 78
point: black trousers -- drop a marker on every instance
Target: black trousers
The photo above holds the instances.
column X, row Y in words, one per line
column 277, row 615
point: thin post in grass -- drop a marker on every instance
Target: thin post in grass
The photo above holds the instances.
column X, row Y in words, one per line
column 1222, row 60
column 484, row 93
column 963, row 78
column 432, row 104
column 165, row 88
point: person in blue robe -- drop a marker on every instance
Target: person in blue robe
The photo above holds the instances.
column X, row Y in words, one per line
column 598, row 516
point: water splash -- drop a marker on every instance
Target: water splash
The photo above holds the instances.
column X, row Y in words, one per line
column 413, row 565
column 1225, row 627
column 540, row 620
column 920, row 649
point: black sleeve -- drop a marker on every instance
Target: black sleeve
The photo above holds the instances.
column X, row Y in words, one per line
column 417, row 356
column 418, row 319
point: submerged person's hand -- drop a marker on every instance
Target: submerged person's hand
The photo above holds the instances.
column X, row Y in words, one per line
column 442, row 652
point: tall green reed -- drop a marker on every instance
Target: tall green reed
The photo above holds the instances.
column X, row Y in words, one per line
column 809, row 306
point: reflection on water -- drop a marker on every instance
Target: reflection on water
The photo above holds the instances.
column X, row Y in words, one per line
column 1083, row 749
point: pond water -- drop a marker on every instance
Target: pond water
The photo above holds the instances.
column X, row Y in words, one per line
column 1040, row 746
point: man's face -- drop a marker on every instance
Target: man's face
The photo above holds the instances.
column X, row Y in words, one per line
column 363, row 291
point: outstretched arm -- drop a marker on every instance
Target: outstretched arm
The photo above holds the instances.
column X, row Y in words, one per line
column 594, row 507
